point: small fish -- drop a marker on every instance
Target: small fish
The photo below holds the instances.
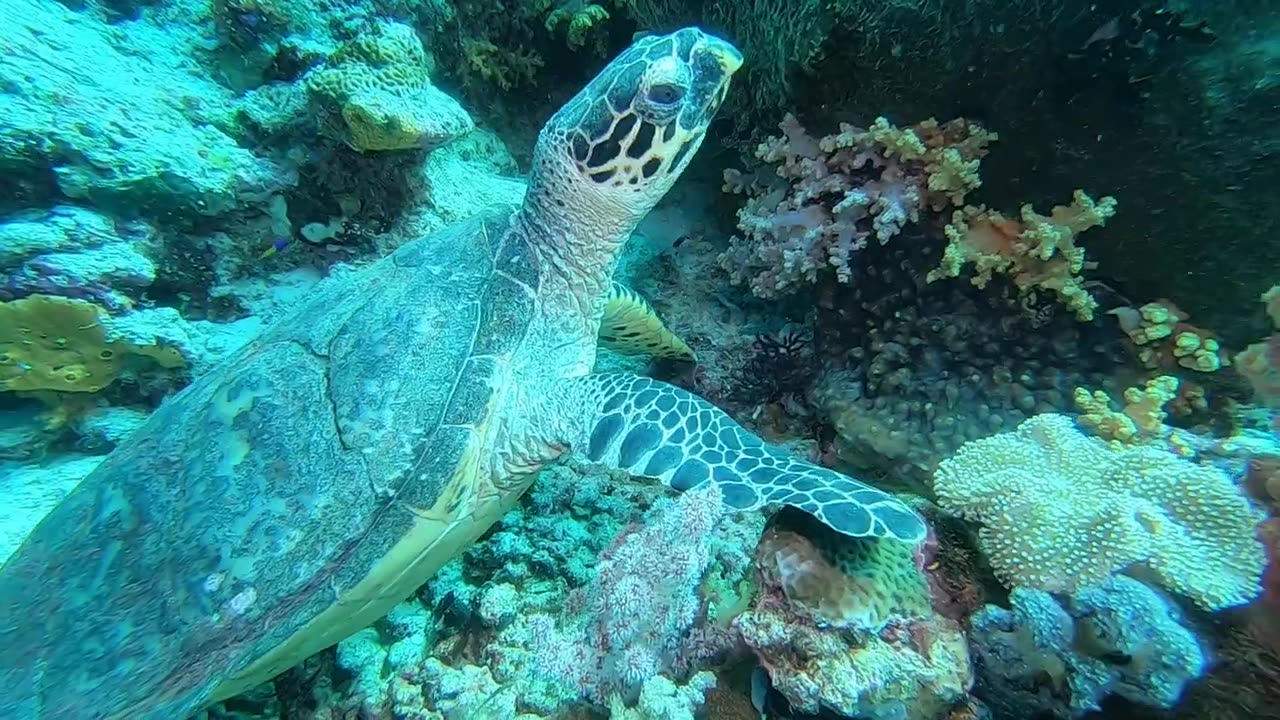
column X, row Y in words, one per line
column 1110, row 30
column 759, row 690
column 276, row 246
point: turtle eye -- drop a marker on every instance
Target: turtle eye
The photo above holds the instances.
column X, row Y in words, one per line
column 666, row 93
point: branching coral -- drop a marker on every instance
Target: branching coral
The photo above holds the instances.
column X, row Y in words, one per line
column 380, row 85
column 55, row 343
column 579, row 16
column 634, row 619
column 1143, row 414
column 1060, row 511
column 1260, row 362
column 1037, row 252
column 819, row 200
column 1165, row 339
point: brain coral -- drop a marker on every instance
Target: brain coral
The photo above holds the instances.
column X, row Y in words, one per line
column 1062, row 511
column 380, row 84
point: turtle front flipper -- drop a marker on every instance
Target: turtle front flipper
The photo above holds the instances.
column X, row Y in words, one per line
column 653, row 429
column 632, row 327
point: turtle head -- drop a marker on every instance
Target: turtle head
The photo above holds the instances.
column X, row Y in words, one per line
column 614, row 150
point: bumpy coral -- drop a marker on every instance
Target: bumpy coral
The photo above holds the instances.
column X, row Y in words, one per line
column 1142, row 416
column 1062, row 511
column 1038, row 252
column 1122, row 638
column 380, row 85
column 904, row 660
column 817, row 202
column 918, row 369
column 55, row 343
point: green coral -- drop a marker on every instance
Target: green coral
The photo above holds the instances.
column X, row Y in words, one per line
column 380, row 84
column 55, row 343
column 580, row 16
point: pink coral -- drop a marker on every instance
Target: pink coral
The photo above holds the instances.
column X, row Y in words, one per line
column 818, row 201
column 632, row 621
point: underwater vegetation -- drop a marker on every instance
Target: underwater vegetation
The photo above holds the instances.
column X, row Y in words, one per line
column 639, row 359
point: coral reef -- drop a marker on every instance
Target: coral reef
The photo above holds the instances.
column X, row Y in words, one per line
column 911, row 370
column 894, row 658
column 380, row 86
column 817, row 208
column 1043, row 657
column 1062, row 511
column 117, row 120
column 1038, row 252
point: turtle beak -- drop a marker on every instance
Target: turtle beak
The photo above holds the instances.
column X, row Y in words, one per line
column 728, row 55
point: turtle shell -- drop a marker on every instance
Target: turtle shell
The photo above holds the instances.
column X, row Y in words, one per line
column 280, row 502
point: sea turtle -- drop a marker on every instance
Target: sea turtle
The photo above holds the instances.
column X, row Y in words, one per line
column 294, row 494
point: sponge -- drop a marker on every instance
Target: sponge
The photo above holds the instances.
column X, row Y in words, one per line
column 56, row 343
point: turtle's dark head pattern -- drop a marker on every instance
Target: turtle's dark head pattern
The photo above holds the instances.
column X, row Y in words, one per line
column 626, row 137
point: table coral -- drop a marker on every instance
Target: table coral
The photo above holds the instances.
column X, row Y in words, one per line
column 1062, row 511
column 379, row 83
column 1037, row 252
column 1122, row 638
column 817, row 201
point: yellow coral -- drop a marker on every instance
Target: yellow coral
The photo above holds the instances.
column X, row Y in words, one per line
column 1062, row 511
column 903, row 142
column 55, row 343
column 1143, row 414
column 380, row 84
column 1039, row 251
column 579, row 16
column 952, row 176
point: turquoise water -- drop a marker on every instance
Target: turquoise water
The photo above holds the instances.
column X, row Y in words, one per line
column 639, row 359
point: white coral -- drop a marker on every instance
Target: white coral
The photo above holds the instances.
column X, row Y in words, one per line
column 1062, row 511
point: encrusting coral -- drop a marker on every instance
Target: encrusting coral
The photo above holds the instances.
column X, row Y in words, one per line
column 56, row 343
column 380, row 85
column 1121, row 638
column 1061, row 511
column 1037, row 252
